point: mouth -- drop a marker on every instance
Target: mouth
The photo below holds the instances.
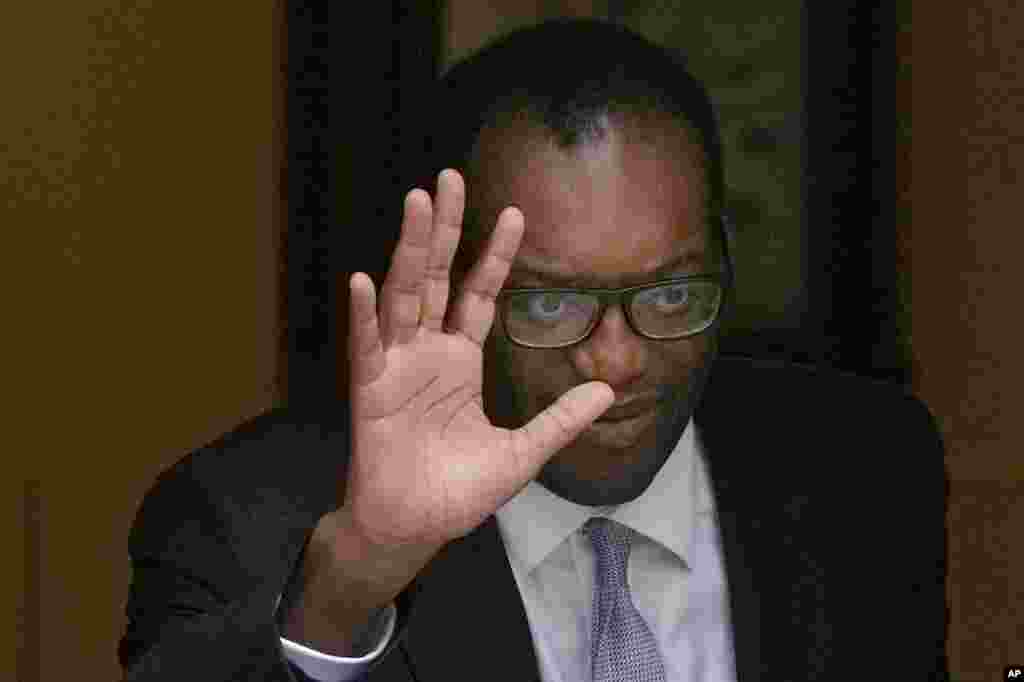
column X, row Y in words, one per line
column 621, row 431
column 627, row 411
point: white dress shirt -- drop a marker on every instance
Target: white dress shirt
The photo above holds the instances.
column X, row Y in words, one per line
column 675, row 578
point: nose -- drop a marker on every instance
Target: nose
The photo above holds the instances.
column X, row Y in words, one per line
column 613, row 353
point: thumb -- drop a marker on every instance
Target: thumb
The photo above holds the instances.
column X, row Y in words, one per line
column 560, row 423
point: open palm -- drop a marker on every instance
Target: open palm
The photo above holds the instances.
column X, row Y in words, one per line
column 427, row 465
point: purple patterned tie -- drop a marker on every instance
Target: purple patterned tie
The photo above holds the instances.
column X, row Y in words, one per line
column 623, row 649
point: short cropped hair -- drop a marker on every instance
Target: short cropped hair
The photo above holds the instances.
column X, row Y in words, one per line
column 568, row 76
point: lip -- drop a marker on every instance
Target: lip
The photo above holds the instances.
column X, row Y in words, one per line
column 628, row 409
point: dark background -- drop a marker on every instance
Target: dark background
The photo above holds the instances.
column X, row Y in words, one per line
column 351, row 143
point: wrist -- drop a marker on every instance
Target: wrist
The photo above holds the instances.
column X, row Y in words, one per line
column 334, row 604
column 379, row 572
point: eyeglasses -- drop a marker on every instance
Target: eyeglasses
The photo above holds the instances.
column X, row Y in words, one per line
column 668, row 309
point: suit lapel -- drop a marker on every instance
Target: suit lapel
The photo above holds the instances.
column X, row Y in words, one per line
column 733, row 501
column 468, row 616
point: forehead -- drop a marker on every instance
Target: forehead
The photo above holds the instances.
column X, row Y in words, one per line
column 605, row 210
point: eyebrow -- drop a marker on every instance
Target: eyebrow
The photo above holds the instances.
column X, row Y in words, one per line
column 570, row 280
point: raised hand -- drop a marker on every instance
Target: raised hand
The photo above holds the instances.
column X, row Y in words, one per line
column 427, row 466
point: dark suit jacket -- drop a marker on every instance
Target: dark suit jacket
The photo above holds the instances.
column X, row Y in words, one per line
column 830, row 493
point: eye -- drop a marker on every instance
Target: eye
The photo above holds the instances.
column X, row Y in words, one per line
column 556, row 308
column 547, row 306
column 666, row 299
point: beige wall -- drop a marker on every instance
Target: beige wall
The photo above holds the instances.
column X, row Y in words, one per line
column 963, row 251
column 140, row 219
column 965, row 165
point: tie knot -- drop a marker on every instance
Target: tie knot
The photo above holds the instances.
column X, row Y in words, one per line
column 608, row 535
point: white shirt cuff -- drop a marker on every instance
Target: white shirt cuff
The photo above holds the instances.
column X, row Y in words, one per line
column 326, row 668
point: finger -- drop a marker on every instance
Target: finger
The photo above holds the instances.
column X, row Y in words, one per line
column 559, row 424
column 402, row 291
column 473, row 314
column 451, row 198
column 365, row 350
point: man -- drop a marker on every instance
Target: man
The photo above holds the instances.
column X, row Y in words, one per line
column 542, row 477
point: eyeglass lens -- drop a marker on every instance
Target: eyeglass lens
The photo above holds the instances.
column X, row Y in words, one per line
column 551, row 319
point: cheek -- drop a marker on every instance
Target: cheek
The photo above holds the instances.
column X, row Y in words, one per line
column 683, row 358
column 515, row 361
column 531, row 375
column 518, row 382
column 535, row 371
column 503, row 365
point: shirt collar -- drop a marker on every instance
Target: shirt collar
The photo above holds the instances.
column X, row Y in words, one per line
column 535, row 521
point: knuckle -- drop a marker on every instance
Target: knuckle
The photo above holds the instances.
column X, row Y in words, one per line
column 496, row 271
column 406, row 286
column 482, row 295
column 432, row 317
column 438, row 272
column 413, row 238
column 368, row 345
column 437, row 297
column 467, row 335
column 503, row 257
column 561, row 417
column 518, row 444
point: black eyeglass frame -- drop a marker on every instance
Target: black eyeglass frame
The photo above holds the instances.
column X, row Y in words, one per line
column 624, row 296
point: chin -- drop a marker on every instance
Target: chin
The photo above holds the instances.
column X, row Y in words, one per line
column 592, row 493
column 594, row 474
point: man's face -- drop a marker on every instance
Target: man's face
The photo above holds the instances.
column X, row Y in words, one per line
column 605, row 214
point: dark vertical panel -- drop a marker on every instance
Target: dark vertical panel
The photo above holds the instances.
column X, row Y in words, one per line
column 417, row 64
column 832, row 168
column 887, row 357
column 850, row 188
column 310, row 212
column 360, row 157
column 380, row 96
column 393, row 155
column 356, row 87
